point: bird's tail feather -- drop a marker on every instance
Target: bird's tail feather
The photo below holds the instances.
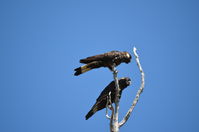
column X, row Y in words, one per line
column 88, row 67
column 91, row 112
column 81, row 70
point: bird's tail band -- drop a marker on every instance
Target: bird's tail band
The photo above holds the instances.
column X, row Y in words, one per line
column 81, row 70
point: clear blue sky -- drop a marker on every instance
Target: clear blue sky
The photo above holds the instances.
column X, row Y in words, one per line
column 41, row 42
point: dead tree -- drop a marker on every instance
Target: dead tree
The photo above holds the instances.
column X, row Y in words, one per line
column 114, row 123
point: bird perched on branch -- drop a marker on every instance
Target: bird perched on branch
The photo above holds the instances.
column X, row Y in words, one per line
column 101, row 101
column 109, row 59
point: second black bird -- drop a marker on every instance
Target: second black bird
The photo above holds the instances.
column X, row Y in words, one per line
column 102, row 99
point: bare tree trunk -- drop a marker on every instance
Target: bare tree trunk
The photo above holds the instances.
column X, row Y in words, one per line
column 115, row 124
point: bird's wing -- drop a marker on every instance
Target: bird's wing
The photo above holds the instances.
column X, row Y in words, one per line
column 101, row 57
column 105, row 92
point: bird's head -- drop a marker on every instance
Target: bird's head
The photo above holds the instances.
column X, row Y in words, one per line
column 127, row 57
column 124, row 82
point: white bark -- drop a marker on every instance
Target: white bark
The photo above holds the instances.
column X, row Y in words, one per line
column 139, row 91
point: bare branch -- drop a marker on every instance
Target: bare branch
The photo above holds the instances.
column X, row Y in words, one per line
column 139, row 91
column 107, row 116
column 109, row 106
